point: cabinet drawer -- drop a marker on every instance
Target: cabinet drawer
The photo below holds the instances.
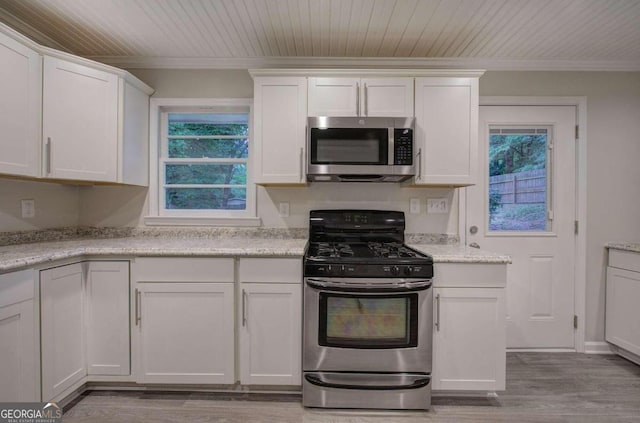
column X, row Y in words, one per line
column 280, row 270
column 470, row 275
column 624, row 260
column 16, row 287
column 173, row 269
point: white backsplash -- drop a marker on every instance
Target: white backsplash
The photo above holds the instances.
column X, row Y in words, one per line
column 378, row 196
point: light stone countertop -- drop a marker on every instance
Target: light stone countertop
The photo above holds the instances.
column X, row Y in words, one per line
column 460, row 254
column 25, row 255
column 633, row 247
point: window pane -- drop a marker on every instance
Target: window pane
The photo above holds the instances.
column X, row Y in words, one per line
column 518, row 180
column 206, row 198
column 208, row 124
column 228, row 174
column 208, row 148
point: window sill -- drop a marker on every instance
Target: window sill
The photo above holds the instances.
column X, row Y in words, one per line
column 201, row 221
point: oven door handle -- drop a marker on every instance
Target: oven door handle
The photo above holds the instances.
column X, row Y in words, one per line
column 346, row 286
column 419, row 382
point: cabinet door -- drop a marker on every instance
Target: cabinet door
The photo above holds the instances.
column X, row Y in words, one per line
column 18, row 333
column 270, row 334
column 279, row 122
column 107, row 317
column 334, row 96
column 387, row 97
column 79, row 122
column 469, row 340
column 61, row 329
column 446, row 131
column 186, row 332
column 20, row 105
column 622, row 313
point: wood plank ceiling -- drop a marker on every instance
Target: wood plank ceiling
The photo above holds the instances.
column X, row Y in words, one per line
column 594, row 33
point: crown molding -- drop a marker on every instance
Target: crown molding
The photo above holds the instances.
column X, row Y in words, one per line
column 131, row 62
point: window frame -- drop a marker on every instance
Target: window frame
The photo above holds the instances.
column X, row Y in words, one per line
column 158, row 141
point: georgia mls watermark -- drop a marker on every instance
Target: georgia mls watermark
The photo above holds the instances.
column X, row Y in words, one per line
column 30, row 412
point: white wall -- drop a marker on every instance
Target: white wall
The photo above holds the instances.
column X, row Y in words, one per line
column 56, row 205
column 126, row 206
column 357, row 196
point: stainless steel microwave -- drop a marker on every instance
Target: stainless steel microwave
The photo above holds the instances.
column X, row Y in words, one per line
column 359, row 149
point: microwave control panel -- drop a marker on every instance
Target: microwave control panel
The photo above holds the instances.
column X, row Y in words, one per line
column 403, row 146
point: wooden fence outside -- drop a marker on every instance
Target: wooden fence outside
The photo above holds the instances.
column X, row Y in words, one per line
column 528, row 187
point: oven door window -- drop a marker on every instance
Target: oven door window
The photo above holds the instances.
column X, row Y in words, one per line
column 345, row 146
column 368, row 321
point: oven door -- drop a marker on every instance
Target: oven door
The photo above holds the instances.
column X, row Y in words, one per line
column 349, row 146
column 348, row 327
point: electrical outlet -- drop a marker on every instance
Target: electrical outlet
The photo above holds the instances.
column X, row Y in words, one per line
column 437, row 205
column 28, row 208
column 414, row 206
column 283, row 209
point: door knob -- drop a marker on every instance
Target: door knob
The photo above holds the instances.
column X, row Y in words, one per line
column 474, row 245
column 473, row 230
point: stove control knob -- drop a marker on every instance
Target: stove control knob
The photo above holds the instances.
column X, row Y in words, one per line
column 342, row 270
column 329, row 269
column 395, row 270
column 408, row 270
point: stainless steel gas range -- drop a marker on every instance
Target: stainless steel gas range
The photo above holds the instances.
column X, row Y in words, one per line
column 367, row 313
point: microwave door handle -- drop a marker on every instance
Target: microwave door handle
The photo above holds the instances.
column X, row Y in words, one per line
column 419, row 160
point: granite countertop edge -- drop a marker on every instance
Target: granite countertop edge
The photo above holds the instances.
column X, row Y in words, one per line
column 633, row 247
column 15, row 257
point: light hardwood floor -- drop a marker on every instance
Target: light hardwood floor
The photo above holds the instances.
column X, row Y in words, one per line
column 541, row 387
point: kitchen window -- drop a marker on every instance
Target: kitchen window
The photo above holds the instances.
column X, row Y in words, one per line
column 204, row 166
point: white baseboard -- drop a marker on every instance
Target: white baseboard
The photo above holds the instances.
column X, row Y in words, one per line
column 598, row 348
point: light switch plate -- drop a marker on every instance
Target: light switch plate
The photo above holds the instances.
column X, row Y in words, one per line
column 283, row 209
column 437, row 205
column 28, row 208
column 414, row 206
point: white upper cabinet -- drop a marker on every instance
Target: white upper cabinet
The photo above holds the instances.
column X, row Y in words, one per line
column 21, row 88
column 94, row 125
column 80, row 122
column 388, row 97
column 446, row 135
column 279, row 130
column 67, row 118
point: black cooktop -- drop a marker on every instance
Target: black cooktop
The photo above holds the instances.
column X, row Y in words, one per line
column 362, row 243
column 360, row 250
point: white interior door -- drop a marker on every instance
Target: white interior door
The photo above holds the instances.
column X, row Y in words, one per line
column 525, row 205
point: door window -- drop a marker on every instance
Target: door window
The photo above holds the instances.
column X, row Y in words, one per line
column 519, row 185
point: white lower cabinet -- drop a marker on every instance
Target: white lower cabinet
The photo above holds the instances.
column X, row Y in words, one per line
column 270, row 321
column 107, row 318
column 84, row 329
column 622, row 315
column 270, row 334
column 469, row 334
column 185, row 320
column 18, row 336
column 62, row 334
